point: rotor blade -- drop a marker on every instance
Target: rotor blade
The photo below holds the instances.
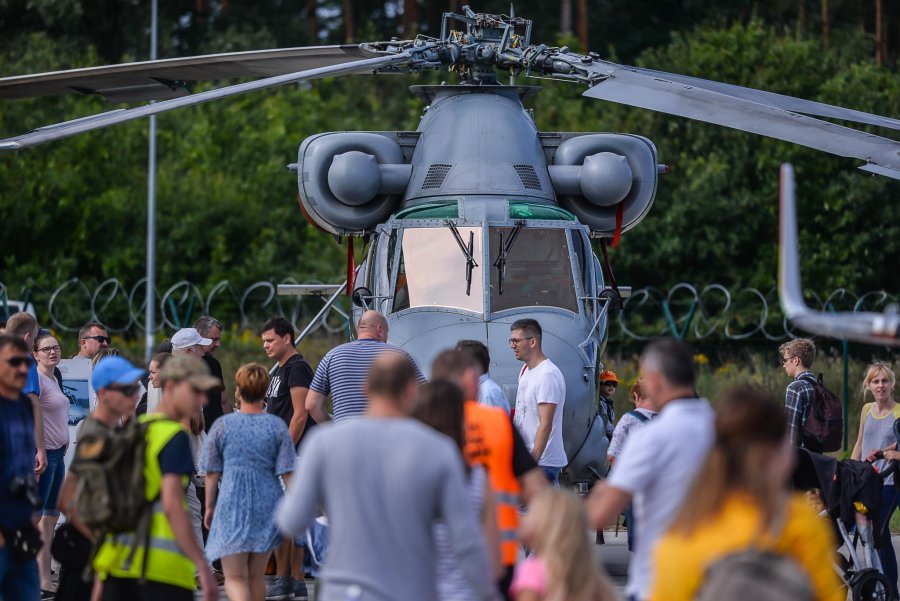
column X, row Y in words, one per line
column 78, row 126
column 874, row 328
column 780, row 101
column 657, row 94
column 152, row 80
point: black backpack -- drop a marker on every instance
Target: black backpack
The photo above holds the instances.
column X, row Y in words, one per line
column 823, row 431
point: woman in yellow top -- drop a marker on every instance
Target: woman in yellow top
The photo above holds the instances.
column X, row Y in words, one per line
column 740, row 501
column 876, row 433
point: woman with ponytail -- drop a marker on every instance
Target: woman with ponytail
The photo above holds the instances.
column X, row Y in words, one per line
column 740, row 502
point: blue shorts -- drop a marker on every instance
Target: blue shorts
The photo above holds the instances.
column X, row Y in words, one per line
column 51, row 481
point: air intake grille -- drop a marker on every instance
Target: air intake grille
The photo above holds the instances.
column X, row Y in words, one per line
column 436, row 175
column 528, row 176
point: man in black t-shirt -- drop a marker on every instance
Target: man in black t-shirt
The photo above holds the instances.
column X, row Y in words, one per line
column 217, row 403
column 286, row 398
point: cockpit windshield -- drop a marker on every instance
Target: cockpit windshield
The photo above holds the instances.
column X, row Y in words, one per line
column 435, row 272
column 534, row 272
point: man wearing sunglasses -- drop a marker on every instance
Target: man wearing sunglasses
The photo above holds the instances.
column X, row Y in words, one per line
column 92, row 338
column 24, row 326
column 18, row 568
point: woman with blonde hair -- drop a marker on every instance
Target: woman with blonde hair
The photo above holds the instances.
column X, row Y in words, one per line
column 876, row 435
column 562, row 566
column 740, row 503
column 246, row 451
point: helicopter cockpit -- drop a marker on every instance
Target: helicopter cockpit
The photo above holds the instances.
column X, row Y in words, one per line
column 538, row 257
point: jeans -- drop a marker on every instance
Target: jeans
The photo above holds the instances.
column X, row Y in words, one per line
column 552, row 474
column 629, row 523
column 889, row 498
column 18, row 579
column 51, row 480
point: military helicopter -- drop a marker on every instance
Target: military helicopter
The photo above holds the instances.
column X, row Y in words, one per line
column 477, row 219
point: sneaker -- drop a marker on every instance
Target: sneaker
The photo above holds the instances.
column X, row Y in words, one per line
column 279, row 588
column 300, row 591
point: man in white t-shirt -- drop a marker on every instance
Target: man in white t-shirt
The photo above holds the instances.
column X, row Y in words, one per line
column 660, row 461
column 540, row 399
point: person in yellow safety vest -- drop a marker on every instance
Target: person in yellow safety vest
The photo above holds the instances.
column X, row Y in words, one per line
column 174, row 555
column 493, row 441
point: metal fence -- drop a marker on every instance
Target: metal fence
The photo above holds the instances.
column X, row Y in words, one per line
column 710, row 313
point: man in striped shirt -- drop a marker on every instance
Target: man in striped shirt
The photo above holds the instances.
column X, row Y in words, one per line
column 342, row 371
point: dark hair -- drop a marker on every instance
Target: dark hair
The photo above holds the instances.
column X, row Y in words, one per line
column 165, row 347
column 440, row 405
column 390, row 374
column 478, row 351
column 749, row 423
column 529, row 326
column 671, row 358
column 450, row 365
column 86, row 330
column 13, row 341
column 281, row 326
column 43, row 336
column 161, row 359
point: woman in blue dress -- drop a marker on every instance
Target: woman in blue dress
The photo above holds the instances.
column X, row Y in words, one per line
column 247, row 451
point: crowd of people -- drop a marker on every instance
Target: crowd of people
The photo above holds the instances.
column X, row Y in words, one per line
column 440, row 490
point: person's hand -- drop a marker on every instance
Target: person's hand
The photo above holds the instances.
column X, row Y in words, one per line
column 892, row 455
column 208, row 518
column 208, row 583
column 40, row 462
column 2, row 541
column 874, row 455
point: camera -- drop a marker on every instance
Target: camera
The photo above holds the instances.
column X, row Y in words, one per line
column 26, row 488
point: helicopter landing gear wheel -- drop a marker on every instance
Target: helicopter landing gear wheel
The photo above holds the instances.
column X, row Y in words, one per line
column 869, row 585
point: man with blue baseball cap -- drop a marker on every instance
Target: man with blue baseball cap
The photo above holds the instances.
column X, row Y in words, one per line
column 116, row 382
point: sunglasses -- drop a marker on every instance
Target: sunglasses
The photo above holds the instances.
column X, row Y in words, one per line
column 100, row 339
column 516, row 341
column 17, row 361
column 613, row 384
column 128, row 390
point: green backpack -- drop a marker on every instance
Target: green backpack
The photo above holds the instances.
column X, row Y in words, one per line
column 111, row 496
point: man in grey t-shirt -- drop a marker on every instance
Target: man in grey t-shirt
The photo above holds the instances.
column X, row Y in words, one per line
column 383, row 481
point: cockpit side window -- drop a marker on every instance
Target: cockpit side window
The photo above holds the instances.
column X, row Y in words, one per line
column 537, row 271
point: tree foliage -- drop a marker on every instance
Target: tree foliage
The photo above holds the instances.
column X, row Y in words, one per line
column 227, row 208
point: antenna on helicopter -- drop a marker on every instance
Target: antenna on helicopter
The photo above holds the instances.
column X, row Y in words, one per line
column 512, row 18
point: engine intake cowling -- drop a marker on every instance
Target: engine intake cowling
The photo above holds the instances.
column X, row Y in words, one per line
column 595, row 173
column 351, row 181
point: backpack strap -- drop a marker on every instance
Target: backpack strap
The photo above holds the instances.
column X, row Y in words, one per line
column 638, row 415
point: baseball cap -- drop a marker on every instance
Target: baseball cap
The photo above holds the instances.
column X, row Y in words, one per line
column 608, row 376
column 189, row 368
column 188, row 337
column 115, row 370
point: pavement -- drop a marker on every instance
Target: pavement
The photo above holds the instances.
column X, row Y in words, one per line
column 613, row 554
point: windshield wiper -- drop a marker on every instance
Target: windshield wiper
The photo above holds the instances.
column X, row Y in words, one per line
column 467, row 251
column 503, row 255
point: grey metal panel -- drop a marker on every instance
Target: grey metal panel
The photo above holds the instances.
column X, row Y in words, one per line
column 483, row 133
column 657, row 94
column 145, row 75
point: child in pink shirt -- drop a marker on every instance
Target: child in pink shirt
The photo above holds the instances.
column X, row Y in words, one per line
column 562, row 566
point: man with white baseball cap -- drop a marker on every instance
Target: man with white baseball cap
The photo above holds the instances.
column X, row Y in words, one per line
column 188, row 341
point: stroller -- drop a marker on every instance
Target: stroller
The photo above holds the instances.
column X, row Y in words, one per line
column 848, row 493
